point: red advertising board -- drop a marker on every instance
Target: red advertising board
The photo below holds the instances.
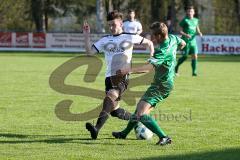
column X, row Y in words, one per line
column 22, row 40
column 39, row 40
column 5, row 39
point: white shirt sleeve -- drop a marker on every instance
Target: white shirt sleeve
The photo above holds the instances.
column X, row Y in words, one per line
column 136, row 39
column 124, row 26
column 98, row 46
column 139, row 26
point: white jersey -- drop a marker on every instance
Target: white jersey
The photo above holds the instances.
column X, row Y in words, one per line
column 118, row 50
column 131, row 26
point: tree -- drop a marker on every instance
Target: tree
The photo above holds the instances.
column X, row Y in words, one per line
column 100, row 7
column 14, row 15
column 37, row 7
column 237, row 8
column 109, row 5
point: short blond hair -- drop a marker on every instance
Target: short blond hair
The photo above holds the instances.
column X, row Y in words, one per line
column 159, row 28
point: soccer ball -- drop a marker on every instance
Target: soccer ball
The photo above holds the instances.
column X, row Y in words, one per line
column 142, row 132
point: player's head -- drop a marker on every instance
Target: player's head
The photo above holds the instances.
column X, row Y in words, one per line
column 131, row 14
column 190, row 11
column 159, row 32
column 115, row 23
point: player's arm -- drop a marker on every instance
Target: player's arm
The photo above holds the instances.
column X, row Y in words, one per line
column 136, row 70
column 88, row 46
column 199, row 32
column 183, row 25
column 182, row 44
column 150, row 45
column 124, row 26
column 184, row 34
column 139, row 29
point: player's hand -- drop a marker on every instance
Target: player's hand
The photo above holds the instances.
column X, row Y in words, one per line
column 122, row 72
column 86, row 27
column 188, row 36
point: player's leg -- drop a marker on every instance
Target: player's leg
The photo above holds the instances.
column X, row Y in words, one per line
column 194, row 64
column 143, row 111
column 132, row 122
column 120, row 113
column 154, row 95
column 142, row 115
column 109, row 104
column 182, row 58
column 194, row 53
column 136, row 116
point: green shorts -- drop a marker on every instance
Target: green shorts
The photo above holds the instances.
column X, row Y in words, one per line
column 156, row 93
column 190, row 48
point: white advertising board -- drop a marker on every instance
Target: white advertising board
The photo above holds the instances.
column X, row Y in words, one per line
column 74, row 42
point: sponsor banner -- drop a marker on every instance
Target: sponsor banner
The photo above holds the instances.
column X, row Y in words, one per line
column 38, row 40
column 69, row 40
column 22, row 40
column 74, row 42
column 5, row 39
column 137, row 48
column 213, row 44
column 65, row 40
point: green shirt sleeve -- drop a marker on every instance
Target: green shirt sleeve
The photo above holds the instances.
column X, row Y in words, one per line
column 179, row 40
column 158, row 60
column 182, row 23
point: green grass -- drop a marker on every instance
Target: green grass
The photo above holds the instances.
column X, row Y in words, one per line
column 29, row 129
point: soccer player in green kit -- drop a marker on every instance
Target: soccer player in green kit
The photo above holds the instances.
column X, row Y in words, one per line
column 163, row 62
column 189, row 29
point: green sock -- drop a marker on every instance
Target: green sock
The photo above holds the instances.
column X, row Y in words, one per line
column 151, row 124
column 131, row 124
column 194, row 66
column 180, row 61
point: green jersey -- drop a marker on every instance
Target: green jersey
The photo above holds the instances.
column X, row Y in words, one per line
column 189, row 27
column 164, row 60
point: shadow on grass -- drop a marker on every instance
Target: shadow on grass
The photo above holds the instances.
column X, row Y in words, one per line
column 55, row 139
column 9, row 135
column 86, row 141
column 51, row 140
column 225, row 154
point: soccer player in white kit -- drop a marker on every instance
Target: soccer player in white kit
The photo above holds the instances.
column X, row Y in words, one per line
column 117, row 49
column 131, row 25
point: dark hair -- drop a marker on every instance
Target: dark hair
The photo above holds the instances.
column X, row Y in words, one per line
column 159, row 28
column 114, row 15
column 131, row 10
column 189, row 7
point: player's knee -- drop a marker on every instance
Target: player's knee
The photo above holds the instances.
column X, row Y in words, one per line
column 108, row 104
column 194, row 56
column 112, row 94
column 139, row 113
column 110, row 98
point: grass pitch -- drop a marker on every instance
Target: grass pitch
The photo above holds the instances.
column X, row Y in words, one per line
column 201, row 115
